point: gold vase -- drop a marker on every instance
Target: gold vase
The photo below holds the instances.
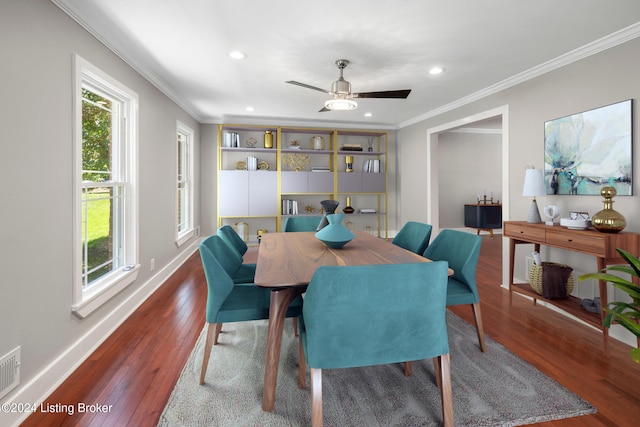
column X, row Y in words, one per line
column 268, row 139
column 608, row 220
column 348, row 209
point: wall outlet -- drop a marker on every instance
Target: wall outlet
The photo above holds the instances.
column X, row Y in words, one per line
column 152, row 264
column 198, row 231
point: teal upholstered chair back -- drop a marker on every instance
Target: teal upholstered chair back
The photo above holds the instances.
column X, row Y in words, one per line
column 229, row 259
column 414, row 236
column 219, row 282
column 230, row 237
column 302, row 223
column 461, row 250
column 371, row 315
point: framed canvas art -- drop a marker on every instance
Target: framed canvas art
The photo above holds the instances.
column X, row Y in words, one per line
column 586, row 151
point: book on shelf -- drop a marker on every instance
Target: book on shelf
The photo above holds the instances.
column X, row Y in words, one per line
column 351, row 147
column 367, row 210
column 372, row 166
column 289, row 207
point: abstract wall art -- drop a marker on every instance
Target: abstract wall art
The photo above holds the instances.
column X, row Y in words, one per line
column 585, row 151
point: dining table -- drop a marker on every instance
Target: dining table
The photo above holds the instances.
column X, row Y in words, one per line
column 287, row 261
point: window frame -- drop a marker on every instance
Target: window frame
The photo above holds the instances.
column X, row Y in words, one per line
column 86, row 300
column 182, row 236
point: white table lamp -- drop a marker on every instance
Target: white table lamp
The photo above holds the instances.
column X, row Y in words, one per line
column 534, row 186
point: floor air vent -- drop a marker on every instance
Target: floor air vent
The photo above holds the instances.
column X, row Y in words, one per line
column 9, row 371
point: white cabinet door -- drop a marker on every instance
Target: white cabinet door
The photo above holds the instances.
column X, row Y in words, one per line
column 263, row 193
column 350, row 182
column 294, row 182
column 321, row 182
column 374, row 183
column 234, row 193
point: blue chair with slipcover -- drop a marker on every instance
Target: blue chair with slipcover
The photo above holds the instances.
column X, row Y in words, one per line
column 302, row 223
column 461, row 250
column 413, row 236
column 231, row 238
column 231, row 261
column 351, row 317
column 229, row 302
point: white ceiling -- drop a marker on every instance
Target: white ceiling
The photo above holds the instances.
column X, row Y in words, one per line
column 182, row 47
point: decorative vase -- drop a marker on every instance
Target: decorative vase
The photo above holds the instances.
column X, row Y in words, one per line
column 349, row 163
column 608, row 220
column 335, row 235
column 328, row 207
column 268, row 139
column 348, row 209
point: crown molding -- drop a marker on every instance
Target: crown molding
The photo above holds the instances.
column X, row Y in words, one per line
column 154, row 79
column 607, row 42
column 590, row 49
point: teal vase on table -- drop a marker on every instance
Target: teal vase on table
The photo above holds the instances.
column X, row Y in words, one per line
column 335, row 235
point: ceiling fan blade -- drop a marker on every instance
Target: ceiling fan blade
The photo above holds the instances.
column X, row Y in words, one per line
column 384, row 94
column 307, row 86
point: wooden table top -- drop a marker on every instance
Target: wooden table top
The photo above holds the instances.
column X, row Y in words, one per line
column 290, row 259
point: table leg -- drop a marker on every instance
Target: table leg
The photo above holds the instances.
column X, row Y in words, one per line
column 280, row 300
column 604, row 301
column 512, row 259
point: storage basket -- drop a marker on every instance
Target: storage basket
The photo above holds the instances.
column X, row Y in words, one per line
column 535, row 276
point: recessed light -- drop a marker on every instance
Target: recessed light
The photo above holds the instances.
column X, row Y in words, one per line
column 368, row 114
column 250, row 108
column 436, row 70
column 236, row 54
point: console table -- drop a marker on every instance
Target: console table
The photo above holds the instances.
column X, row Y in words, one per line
column 601, row 245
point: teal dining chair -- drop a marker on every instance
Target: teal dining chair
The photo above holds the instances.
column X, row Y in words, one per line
column 231, row 261
column 351, row 317
column 461, row 250
column 301, row 223
column 413, row 236
column 229, row 302
column 232, row 238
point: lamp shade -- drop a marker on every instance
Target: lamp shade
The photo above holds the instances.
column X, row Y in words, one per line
column 534, row 183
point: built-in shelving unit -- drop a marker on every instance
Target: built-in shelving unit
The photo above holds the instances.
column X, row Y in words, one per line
column 304, row 165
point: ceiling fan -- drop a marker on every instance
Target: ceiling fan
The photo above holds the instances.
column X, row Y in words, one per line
column 342, row 97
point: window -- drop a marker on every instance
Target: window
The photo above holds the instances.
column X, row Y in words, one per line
column 185, row 184
column 105, row 201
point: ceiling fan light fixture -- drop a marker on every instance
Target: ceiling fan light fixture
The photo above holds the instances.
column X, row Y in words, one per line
column 340, row 104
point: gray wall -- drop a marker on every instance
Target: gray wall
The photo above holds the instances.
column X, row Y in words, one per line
column 601, row 79
column 468, row 164
column 38, row 41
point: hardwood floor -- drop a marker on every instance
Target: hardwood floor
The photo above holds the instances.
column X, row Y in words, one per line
column 136, row 368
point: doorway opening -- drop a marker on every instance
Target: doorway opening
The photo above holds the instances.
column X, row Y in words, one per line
column 434, row 166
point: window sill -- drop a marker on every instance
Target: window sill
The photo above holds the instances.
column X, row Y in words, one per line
column 103, row 292
column 185, row 237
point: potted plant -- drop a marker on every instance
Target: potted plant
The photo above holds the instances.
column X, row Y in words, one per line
column 626, row 314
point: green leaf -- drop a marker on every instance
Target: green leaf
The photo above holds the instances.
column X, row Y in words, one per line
column 606, row 277
column 635, row 355
column 631, row 260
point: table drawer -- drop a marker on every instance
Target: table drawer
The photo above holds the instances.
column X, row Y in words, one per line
column 591, row 244
column 521, row 231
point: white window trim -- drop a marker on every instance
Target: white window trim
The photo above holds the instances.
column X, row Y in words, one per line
column 184, row 236
column 87, row 301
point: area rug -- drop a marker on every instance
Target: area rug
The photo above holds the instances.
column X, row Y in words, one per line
column 495, row 388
